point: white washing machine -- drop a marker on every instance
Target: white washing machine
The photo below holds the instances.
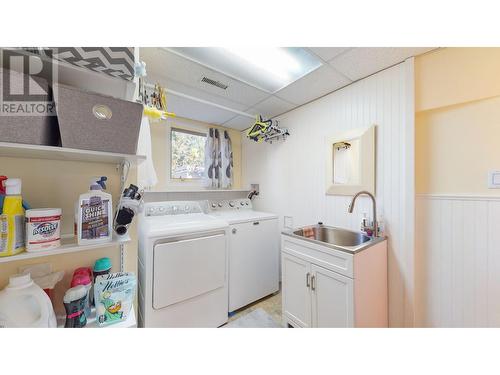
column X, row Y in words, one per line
column 183, row 266
column 253, row 251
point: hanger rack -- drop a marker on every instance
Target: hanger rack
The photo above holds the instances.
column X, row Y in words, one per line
column 267, row 131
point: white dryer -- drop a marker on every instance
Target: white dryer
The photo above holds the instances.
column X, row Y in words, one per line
column 183, row 266
column 254, row 247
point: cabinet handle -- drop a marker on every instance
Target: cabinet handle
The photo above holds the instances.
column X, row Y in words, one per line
column 234, row 230
column 256, row 223
column 308, row 283
column 313, row 283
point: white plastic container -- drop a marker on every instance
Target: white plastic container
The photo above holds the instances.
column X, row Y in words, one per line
column 95, row 216
column 25, row 304
column 43, row 229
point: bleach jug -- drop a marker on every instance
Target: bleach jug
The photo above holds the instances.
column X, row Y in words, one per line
column 25, row 304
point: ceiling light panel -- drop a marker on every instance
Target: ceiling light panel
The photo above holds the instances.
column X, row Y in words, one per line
column 267, row 68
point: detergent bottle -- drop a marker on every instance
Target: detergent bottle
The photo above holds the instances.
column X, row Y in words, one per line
column 95, row 214
column 12, row 219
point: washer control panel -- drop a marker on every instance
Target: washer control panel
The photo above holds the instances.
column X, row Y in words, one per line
column 234, row 204
column 173, row 208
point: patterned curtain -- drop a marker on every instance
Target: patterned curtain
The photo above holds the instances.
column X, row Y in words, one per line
column 218, row 160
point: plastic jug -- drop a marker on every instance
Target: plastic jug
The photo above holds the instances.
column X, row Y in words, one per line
column 25, row 304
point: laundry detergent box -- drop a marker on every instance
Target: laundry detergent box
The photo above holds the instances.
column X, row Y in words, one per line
column 114, row 295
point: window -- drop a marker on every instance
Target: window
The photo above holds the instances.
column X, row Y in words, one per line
column 187, row 154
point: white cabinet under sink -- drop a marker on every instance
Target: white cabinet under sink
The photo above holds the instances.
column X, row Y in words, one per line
column 324, row 287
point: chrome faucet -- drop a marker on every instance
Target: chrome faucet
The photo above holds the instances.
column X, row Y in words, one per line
column 351, row 208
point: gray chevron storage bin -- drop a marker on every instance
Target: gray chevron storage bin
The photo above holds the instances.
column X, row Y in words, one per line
column 24, row 118
column 91, row 121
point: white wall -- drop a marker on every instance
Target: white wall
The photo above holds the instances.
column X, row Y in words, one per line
column 292, row 174
column 458, row 257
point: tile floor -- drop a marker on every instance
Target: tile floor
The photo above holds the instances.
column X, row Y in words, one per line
column 270, row 304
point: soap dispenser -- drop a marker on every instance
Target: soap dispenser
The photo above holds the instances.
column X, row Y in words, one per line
column 364, row 222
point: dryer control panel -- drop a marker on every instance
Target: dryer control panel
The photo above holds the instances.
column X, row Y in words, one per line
column 235, row 204
column 172, row 208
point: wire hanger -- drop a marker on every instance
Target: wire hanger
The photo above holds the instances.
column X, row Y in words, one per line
column 267, row 131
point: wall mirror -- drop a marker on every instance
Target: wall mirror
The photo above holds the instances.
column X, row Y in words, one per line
column 350, row 163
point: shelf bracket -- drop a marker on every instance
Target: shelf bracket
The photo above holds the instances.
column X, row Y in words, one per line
column 122, row 257
column 124, row 168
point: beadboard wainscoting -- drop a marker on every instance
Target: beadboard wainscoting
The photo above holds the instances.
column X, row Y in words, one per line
column 292, row 180
column 457, row 261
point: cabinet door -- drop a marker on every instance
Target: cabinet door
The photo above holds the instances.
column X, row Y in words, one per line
column 296, row 276
column 332, row 299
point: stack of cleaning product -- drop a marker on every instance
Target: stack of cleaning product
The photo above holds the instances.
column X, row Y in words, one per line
column 113, row 295
column 94, row 214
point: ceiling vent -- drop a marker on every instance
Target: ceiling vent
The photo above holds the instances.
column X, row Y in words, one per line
column 215, row 83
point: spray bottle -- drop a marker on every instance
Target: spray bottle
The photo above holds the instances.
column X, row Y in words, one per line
column 2, row 192
column 95, row 214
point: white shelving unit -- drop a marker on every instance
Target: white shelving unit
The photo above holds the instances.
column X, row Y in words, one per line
column 67, row 246
column 19, row 150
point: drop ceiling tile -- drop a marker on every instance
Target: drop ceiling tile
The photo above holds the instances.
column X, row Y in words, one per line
column 162, row 62
column 361, row 62
column 328, row 53
column 271, row 107
column 239, row 123
column 194, row 110
column 317, row 83
column 188, row 90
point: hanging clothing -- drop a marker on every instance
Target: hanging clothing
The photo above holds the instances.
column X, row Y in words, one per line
column 146, row 173
column 218, row 160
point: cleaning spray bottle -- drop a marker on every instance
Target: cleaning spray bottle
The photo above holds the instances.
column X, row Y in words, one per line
column 95, row 214
column 2, row 192
column 12, row 220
